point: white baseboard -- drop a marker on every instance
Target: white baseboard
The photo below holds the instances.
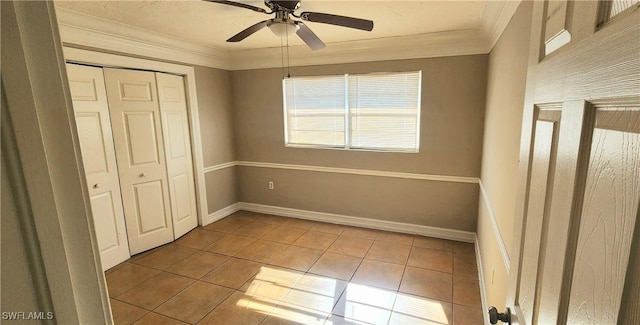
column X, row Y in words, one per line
column 217, row 215
column 483, row 288
column 407, row 228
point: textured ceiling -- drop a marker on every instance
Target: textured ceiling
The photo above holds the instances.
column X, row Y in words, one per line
column 211, row 24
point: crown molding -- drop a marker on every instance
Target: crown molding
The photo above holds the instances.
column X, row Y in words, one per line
column 453, row 43
column 81, row 30
column 495, row 18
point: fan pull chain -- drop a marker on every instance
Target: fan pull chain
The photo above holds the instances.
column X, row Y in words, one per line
column 288, row 66
column 282, row 56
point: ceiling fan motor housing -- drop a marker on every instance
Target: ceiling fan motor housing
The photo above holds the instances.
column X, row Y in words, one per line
column 285, row 5
column 282, row 25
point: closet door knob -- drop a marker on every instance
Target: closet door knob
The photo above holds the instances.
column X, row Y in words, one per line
column 143, row 174
column 96, row 185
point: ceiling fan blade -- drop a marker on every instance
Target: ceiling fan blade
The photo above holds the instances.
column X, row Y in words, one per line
column 350, row 22
column 238, row 4
column 245, row 33
column 309, row 37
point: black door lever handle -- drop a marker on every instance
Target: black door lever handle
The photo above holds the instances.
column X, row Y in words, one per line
column 495, row 316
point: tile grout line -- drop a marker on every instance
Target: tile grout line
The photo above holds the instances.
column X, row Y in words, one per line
column 268, row 263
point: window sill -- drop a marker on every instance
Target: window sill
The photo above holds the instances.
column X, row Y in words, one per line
column 302, row 146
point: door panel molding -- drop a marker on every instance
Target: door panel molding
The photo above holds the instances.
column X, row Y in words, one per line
column 83, row 89
column 135, row 91
column 146, row 207
column 104, row 218
column 543, row 161
column 630, row 308
column 595, row 69
column 142, row 146
column 607, row 52
column 613, row 176
column 91, row 137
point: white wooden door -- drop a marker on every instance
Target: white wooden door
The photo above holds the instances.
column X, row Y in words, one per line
column 177, row 145
column 98, row 155
column 578, row 242
column 543, row 157
column 137, row 131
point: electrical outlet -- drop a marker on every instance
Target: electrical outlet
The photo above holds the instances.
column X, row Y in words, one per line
column 271, row 187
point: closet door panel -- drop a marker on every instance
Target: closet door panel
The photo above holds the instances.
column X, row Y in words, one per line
column 134, row 110
column 145, row 195
column 175, row 127
column 92, row 142
column 105, row 221
column 98, row 155
column 140, row 134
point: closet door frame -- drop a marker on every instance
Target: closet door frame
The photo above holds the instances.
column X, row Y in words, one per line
column 73, row 55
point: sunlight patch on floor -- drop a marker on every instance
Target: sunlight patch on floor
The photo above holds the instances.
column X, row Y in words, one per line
column 310, row 299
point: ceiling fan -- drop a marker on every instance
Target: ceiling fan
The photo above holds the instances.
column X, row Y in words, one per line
column 282, row 25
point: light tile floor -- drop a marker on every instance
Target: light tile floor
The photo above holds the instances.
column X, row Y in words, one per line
column 252, row 268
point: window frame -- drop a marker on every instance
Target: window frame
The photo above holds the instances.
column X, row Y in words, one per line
column 347, row 116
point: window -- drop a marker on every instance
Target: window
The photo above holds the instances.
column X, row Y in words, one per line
column 371, row 111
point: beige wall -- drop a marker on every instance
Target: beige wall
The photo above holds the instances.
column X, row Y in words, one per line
column 453, row 97
column 213, row 87
column 503, row 120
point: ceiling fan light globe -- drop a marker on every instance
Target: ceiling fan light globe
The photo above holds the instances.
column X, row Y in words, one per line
column 283, row 29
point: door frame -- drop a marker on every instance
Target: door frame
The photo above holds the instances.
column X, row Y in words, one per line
column 49, row 185
column 74, row 55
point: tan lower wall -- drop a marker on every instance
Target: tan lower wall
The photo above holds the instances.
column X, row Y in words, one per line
column 449, row 205
column 221, row 188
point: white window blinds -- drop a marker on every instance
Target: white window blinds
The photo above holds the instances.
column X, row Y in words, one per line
column 314, row 110
column 373, row 111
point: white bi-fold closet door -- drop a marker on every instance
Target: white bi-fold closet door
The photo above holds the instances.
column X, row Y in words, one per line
column 98, row 154
column 133, row 132
column 175, row 127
